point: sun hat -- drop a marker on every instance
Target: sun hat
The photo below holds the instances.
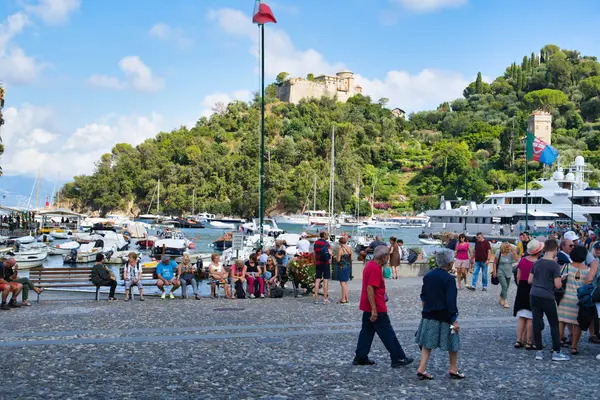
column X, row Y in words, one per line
column 534, row 246
column 570, row 235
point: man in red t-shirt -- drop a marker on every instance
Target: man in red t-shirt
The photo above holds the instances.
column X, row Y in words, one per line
column 481, row 258
column 375, row 318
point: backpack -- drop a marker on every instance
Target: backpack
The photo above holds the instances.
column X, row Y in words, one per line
column 412, row 256
column 324, row 255
column 240, row 293
column 276, row 292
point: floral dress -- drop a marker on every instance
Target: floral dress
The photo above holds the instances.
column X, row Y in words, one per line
column 568, row 308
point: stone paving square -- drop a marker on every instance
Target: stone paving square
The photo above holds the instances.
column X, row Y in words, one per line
column 283, row 348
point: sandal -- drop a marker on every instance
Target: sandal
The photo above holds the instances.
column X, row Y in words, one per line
column 529, row 346
column 518, row 345
column 425, row 376
column 456, row 375
column 574, row 352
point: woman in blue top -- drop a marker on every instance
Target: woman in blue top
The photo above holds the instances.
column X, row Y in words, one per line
column 439, row 328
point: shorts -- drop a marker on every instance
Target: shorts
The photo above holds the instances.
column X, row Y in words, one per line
column 129, row 283
column 524, row 314
column 13, row 286
column 323, row 271
column 462, row 264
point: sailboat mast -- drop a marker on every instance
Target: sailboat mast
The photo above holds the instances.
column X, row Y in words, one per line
column 315, row 193
column 358, row 201
column 58, row 191
column 37, row 191
column 194, row 202
column 332, row 181
column 158, row 198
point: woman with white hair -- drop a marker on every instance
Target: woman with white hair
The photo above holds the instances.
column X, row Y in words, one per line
column 439, row 328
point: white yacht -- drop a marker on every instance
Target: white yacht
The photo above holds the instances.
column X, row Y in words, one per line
column 551, row 201
column 310, row 217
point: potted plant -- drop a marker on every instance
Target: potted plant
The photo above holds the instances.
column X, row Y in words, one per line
column 302, row 270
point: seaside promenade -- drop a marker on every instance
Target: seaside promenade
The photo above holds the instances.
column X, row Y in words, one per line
column 69, row 347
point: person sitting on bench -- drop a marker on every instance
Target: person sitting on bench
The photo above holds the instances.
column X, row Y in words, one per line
column 7, row 287
column 132, row 275
column 102, row 276
column 165, row 272
column 11, row 274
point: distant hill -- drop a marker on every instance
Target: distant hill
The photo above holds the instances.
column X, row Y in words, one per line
column 466, row 148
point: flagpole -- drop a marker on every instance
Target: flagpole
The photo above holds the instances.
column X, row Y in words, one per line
column 526, row 192
column 262, row 132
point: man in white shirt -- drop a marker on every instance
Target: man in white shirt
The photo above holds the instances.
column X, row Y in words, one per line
column 303, row 244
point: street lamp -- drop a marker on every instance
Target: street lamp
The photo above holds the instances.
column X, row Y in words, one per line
column 261, row 16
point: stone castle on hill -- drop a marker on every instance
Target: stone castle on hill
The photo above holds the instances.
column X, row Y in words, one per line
column 342, row 86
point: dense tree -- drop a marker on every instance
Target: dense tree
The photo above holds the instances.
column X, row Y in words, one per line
column 465, row 148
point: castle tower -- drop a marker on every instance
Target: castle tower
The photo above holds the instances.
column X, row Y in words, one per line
column 540, row 124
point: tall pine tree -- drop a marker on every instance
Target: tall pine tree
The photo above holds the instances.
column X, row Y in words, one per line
column 479, row 84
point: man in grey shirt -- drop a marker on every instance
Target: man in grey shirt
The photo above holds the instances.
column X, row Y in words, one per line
column 544, row 279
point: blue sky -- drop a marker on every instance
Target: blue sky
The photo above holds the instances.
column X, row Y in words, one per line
column 83, row 75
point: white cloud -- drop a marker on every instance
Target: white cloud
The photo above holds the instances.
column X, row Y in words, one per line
column 411, row 92
column 54, row 11
column 280, row 52
column 425, row 90
column 32, row 143
column 167, row 33
column 16, row 67
column 209, row 102
column 137, row 75
column 424, row 6
column 107, row 82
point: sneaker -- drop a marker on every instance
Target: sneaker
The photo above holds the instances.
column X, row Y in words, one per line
column 5, row 307
column 163, row 296
column 402, row 363
column 539, row 355
column 252, row 296
column 141, row 298
column 171, row 296
column 471, row 288
column 13, row 304
column 356, row 361
column 112, row 299
column 262, row 296
column 560, row 357
column 484, row 290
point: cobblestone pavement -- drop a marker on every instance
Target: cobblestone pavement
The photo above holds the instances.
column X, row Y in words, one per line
column 267, row 348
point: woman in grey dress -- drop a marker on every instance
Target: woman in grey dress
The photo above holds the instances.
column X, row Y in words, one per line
column 503, row 269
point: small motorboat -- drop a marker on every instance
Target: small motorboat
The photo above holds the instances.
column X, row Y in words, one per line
column 86, row 253
column 431, row 242
column 61, row 234
column 169, row 247
column 64, row 248
column 45, row 238
column 25, row 239
column 147, row 243
column 118, row 257
column 4, row 239
column 27, row 260
column 221, row 225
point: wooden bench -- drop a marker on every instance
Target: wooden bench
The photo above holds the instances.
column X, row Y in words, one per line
column 62, row 278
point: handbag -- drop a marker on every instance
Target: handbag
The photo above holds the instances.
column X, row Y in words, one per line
column 495, row 280
column 560, row 293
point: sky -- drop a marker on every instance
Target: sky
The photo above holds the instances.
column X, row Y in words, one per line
column 83, row 75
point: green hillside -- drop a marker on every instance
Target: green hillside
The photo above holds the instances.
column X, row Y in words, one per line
column 466, row 148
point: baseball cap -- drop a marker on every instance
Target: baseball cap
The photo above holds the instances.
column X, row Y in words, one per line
column 165, row 258
column 597, row 246
column 303, row 234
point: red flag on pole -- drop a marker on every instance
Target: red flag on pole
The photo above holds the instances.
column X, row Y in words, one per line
column 262, row 14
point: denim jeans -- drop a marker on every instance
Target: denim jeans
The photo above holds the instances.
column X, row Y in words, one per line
column 184, row 284
column 480, row 265
column 383, row 327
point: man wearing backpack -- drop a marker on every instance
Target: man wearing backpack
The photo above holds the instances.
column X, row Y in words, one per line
column 323, row 253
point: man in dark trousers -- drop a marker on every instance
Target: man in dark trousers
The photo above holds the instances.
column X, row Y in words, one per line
column 323, row 254
column 375, row 318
